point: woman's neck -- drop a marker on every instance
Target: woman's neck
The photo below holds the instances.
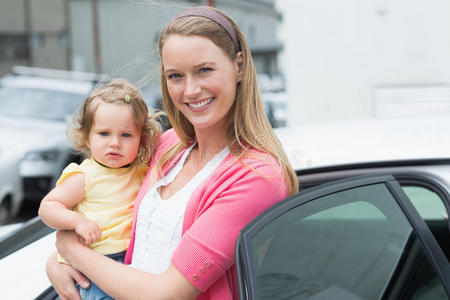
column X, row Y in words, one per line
column 210, row 143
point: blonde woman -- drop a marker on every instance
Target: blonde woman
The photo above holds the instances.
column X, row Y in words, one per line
column 218, row 168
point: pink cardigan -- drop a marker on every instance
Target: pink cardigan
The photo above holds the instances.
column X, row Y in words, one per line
column 217, row 210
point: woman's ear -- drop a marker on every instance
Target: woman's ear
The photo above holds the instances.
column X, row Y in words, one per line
column 239, row 66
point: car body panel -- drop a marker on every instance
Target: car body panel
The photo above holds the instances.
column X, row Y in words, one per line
column 63, row 85
column 429, row 167
column 27, row 267
column 369, row 140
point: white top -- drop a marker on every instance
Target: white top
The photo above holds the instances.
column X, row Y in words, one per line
column 159, row 222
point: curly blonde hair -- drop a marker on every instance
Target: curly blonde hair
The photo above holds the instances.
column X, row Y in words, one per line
column 118, row 91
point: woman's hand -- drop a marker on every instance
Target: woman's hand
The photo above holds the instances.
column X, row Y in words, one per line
column 63, row 279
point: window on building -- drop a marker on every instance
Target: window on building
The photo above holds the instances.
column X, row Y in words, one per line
column 14, row 47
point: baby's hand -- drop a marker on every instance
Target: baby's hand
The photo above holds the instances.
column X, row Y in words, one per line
column 88, row 230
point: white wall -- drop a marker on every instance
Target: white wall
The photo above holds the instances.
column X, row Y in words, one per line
column 336, row 52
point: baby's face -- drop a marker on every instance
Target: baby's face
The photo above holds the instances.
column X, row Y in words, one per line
column 113, row 139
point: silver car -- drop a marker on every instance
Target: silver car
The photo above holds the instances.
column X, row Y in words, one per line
column 11, row 193
column 35, row 107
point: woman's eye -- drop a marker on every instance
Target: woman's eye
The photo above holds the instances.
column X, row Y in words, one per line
column 203, row 70
column 173, row 76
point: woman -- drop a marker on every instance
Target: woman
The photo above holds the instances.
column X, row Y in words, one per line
column 219, row 168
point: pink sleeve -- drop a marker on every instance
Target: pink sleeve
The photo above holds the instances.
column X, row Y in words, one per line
column 206, row 250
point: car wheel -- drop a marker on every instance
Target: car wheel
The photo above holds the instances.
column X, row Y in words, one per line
column 5, row 210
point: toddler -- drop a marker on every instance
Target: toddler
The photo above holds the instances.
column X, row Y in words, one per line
column 96, row 198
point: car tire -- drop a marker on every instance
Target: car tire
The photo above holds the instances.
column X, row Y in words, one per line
column 5, row 210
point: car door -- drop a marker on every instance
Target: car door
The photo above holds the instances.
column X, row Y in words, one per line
column 351, row 239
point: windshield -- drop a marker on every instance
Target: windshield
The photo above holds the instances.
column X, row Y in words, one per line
column 38, row 103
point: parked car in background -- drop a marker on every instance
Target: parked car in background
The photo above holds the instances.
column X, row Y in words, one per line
column 11, row 193
column 275, row 106
column 35, row 107
column 153, row 97
column 370, row 220
column 274, row 98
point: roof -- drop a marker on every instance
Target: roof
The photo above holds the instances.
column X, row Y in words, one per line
column 52, row 79
column 54, row 84
column 362, row 141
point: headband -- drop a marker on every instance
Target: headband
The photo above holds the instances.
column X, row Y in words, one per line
column 214, row 16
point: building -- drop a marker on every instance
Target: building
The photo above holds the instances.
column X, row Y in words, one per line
column 34, row 33
column 117, row 37
column 128, row 34
column 356, row 59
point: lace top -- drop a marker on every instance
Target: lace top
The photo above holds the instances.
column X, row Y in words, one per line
column 159, row 222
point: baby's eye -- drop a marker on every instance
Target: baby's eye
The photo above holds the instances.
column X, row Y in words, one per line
column 103, row 133
column 126, row 134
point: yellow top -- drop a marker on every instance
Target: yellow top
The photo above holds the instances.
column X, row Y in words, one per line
column 108, row 200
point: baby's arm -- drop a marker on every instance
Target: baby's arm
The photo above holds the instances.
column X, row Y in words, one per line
column 55, row 209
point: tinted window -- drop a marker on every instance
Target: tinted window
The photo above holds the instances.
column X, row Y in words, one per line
column 38, row 103
column 354, row 244
column 427, row 202
column 430, row 205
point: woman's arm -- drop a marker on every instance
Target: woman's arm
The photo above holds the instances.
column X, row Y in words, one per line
column 121, row 281
column 207, row 249
column 55, row 209
column 63, row 276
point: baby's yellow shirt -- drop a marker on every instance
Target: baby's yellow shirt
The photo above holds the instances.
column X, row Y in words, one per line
column 109, row 196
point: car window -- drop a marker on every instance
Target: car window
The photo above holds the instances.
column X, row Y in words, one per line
column 352, row 244
column 427, row 202
column 38, row 103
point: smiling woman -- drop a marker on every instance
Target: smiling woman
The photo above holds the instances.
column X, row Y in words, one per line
column 210, row 176
column 201, row 79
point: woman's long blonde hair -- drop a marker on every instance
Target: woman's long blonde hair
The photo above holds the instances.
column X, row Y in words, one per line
column 247, row 124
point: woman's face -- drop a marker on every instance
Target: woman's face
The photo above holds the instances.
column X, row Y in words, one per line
column 201, row 80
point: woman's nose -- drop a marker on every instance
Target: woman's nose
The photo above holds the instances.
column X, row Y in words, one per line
column 191, row 87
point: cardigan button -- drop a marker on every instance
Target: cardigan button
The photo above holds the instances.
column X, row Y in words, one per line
column 207, row 264
column 195, row 277
column 201, row 270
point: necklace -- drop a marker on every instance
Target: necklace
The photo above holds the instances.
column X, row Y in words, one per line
column 122, row 167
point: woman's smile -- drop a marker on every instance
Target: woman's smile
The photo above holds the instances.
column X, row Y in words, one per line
column 201, row 80
column 200, row 105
